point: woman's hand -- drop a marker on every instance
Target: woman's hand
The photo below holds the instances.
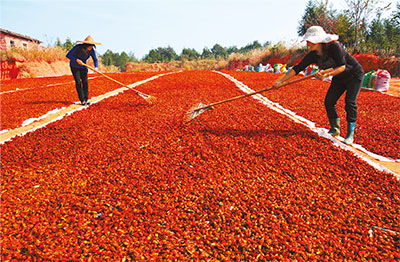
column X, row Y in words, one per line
column 277, row 84
column 285, row 78
column 320, row 75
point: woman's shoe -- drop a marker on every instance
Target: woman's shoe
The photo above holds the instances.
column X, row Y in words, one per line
column 335, row 126
column 350, row 133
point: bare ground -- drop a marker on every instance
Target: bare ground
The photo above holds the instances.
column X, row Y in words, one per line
column 394, row 86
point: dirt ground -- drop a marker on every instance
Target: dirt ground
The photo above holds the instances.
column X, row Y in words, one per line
column 394, row 86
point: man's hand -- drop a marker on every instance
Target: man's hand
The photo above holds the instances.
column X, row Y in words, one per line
column 80, row 62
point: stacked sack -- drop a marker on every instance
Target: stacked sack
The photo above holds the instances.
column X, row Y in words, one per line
column 311, row 69
column 269, row 68
column 280, row 68
column 377, row 80
column 260, row 68
column 248, row 68
column 374, row 80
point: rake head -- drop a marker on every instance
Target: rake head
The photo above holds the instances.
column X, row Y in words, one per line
column 149, row 99
column 195, row 111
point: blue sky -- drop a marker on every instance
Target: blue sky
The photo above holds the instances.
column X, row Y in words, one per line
column 138, row 26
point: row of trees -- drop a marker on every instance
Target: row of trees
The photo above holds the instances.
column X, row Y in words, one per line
column 356, row 30
column 189, row 54
column 361, row 27
column 167, row 54
column 117, row 59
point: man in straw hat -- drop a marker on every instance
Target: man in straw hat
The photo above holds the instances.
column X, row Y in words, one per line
column 78, row 56
column 327, row 52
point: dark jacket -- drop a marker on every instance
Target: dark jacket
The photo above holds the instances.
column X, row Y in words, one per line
column 77, row 52
column 334, row 56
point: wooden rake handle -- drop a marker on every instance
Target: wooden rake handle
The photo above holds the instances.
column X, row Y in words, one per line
column 112, row 79
column 149, row 99
column 326, row 71
column 266, row 89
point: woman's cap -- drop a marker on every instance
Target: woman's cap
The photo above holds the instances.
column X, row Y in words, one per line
column 89, row 40
column 316, row 34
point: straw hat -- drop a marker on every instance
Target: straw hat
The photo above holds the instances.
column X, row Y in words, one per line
column 89, row 40
column 316, row 35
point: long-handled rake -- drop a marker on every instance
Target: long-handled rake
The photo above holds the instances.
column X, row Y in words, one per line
column 200, row 108
column 149, row 99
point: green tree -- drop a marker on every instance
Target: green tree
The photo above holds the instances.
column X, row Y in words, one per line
column 218, row 51
column 317, row 13
column 383, row 35
column 122, row 60
column 232, row 49
column 189, row 54
column 376, row 36
column 161, row 54
column 396, row 16
column 207, row 54
column 152, row 57
column 345, row 30
column 251, row 46
column 392, row 36
column 359, row 11
column 106, row 58
column 116, row 59
column 393, row 29
column 67, row 45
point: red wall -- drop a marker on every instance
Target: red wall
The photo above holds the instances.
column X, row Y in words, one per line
column 8, row 70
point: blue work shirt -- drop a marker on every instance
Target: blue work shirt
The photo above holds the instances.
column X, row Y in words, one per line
column 77, row 52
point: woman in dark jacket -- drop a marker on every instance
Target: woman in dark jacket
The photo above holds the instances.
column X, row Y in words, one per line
column 327, row 52
column 78, row 56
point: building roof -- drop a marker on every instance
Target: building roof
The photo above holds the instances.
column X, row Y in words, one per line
column 19, row 35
